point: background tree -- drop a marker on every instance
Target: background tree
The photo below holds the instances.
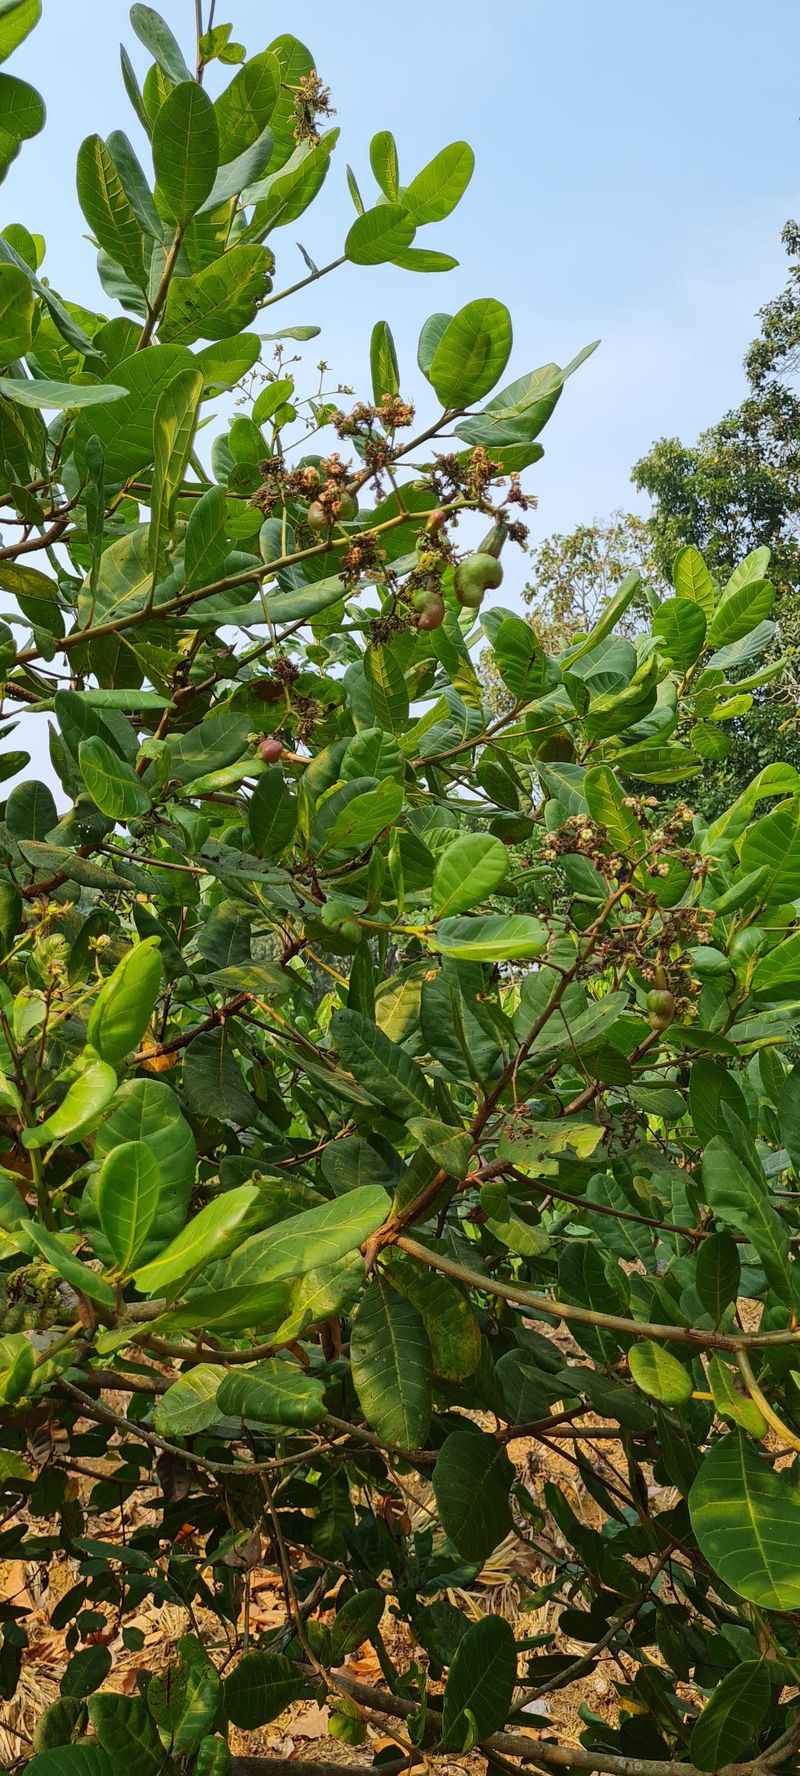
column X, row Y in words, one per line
column 574, row 575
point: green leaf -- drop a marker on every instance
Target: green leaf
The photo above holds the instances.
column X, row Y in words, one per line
column 668, row 763
column 275, row 1392
column 493, row 937
column 773, row 780
column 184, row 1700
column 472, row 353
column 467, row 872
column 147, row 1110
column 43, row 393
column 128, row 1190
column 773, row 842
column 383, row 1069
column 608, row 807
column 232, row 178
column 122, row 1011
column 358, row 1620
column 364, row 817
column 190, row 1404
column 384, row 163
column 185, row 150
column 173, row 436
column 125, row 1729
column 22, row 115
column 520, row 659
column 390, row 1360
column 78, row 1275
column 441, row 184
column 740, row 1200
column 680, row 624
column 271, row 814
column 471, row 1481
column 208, row 1235
column 480, row 1683
column 72, row 1760
column 383, row 362
column 659, row 1374
column 260, row 1687
column 746, row 1518
column 206, row 545
column 153, row 31
column 245, row 107
column 692, row 580
column 376, row 236
column 740, row 611
column 717, row 1274
column 731, row 1403
column 310, row 1240
column 388, row 688
column 16, row 313
column 17, row 19
column 113, row 786
column 423, row 259
column 731, row 1720
column 220, row 299
column 452, row 1329
column 126, row 432
column 80, row 1111
column 450, row 1147
column 108, row 209
column 777, row 975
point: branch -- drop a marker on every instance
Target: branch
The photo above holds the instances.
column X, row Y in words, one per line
column 586, row 1316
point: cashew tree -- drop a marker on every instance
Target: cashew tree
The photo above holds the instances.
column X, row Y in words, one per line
column 391, row 1088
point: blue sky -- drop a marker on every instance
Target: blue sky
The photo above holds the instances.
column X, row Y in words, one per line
column 635, row 164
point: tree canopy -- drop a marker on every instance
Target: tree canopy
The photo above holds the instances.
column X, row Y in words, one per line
column 390, row 1086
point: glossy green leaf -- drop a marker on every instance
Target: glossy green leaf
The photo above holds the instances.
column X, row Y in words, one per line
column 80, row 1110
column 153, row 31
column 78, row 1275
column 17, row 19
column 692, row 580
column 121, row 1012
column 108, row 209
column 480, row 1683
column 740, row 1200
column 126, row 429
column 128, row 1190
column 381, row 1066
column 376, row 236
column 307, row 1241
column 260, row 1687
column 731, row 1720
column 659, row 1374
column 680, row 624
column 391, row 1365
column 472, row 353
column 493, row 937
column 471, row 1481
column 440, row 186
column 208, row 1235
column 174, row 425
column 186, row 150
column 745, row 1517
column 467, row 872
column 190, row 1404
column 245, row 107
column 113, row 786
column 22, row 115
column 739, row 611
column 45, row 394
column 219, row 300
column 383, row 362
column 275, row 1392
